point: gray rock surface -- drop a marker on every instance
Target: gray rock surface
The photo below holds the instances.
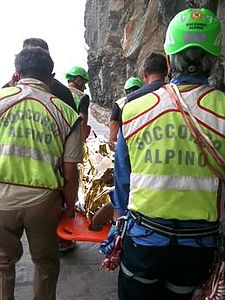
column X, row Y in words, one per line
column 121, row 34
column 99, row 119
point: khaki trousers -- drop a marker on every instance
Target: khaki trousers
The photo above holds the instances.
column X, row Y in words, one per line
column 40, row 223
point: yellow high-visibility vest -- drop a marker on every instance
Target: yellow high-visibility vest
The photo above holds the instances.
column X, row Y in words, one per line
column 169, row 178
column 34, row 126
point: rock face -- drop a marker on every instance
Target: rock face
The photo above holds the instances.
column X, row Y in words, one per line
column 121, row 33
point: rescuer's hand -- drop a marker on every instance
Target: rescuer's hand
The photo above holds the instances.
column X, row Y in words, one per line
column 15, row 78
column 70, row 212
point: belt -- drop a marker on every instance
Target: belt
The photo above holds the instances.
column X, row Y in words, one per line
column 174, row 232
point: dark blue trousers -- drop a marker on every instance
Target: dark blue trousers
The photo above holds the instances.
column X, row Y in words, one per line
column 171, row 272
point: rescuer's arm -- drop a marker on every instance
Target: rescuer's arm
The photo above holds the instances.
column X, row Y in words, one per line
column 71, row 177
column 73, row 154
column 113, row 131
column 121, row 176
column 114, row 123
column 83, row 111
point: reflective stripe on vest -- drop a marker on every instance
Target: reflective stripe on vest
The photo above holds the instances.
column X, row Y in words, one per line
column 26, row 152
column 165, row 104
column 161, row 182
column 121, row 102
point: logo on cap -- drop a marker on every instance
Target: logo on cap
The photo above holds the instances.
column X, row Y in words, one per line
column 196, row 15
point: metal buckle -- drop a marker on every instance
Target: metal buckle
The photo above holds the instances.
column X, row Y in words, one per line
column 121, row 225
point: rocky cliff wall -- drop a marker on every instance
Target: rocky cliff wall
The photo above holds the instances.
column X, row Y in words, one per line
column 121, row 33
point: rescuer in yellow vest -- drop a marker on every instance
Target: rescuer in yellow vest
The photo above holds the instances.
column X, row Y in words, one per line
column 132, row 84
column 77, row 78
column 153, row 76
column 172, row 193
column 41, row 144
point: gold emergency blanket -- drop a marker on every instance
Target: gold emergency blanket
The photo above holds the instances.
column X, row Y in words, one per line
column 96, row 176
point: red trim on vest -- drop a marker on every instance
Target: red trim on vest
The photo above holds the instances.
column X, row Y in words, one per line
column 192, row 87
column 210, row 128
column 12, row 94
column 207, row 109
column 137, row 116
column 30, row 186
column 152, row 120
column 60, row 110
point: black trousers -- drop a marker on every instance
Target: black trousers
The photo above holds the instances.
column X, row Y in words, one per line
column 169, row 273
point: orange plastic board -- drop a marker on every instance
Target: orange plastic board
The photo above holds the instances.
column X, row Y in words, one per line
column 77, row 229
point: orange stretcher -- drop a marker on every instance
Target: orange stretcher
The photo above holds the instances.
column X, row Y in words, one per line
column 79, row 229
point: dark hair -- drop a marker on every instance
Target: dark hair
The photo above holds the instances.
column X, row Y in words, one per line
column 156, row 63
column 192, row 61
column 35, row 42
column 34, row 62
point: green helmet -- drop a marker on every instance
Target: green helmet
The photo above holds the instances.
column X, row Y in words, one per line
column 193, row 27
column 133, row 81
column 77, row 71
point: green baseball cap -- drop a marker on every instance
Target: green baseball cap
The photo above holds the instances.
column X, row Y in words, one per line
column 194, row 27
column 133, row 81
column 77, row 71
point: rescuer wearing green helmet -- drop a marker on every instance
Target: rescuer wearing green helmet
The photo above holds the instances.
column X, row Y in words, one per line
column 154, row 73
column 172, row 191
column 132, row 84
column 79, row 75
column 77, row 78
